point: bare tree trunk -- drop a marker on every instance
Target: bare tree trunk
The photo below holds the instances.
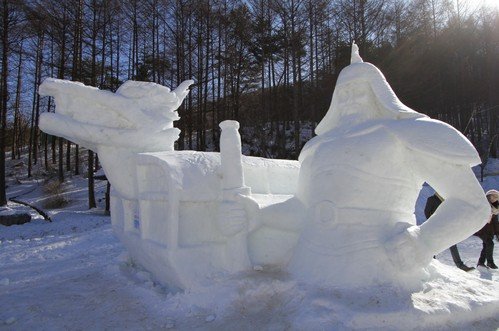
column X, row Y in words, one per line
column 180, row 59
column 90, row 173
column 190, row 116
column 76, row 70
column 90, row 166
column 16, row 126
column 200, row 142
column 4, row 96
column 45, row 151
column 62, row 68
column 68, row 155
column 32, row 154
column 206, row 71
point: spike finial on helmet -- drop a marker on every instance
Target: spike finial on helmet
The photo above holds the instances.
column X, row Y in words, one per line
column 355, row 58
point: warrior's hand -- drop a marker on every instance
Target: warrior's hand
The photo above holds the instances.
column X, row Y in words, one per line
column 404, row 249
column 232, row 218
column 252, row 209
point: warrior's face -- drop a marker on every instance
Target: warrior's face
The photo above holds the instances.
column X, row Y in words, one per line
column 355, row 93
column 355, row 102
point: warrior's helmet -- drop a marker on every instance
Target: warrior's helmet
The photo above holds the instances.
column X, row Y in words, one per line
column 357, row 81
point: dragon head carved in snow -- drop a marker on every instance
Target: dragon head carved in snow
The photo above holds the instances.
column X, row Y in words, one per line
column 137, row 118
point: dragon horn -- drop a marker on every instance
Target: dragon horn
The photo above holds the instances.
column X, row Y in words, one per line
column 183, row 89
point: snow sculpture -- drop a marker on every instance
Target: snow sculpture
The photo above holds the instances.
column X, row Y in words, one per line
column 359, row 181
column 341, row 216
column 179, row 213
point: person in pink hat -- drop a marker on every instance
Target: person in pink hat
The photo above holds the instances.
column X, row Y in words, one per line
column 488, row 231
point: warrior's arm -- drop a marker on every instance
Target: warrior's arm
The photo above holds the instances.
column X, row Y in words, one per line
column 441, row 156
column 286, row 215
column 464, row 210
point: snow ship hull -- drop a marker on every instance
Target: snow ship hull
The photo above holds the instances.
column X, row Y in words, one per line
column 171, row 229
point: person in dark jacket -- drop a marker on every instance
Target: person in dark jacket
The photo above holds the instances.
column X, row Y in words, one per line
column 488, row 231
column 431, row 205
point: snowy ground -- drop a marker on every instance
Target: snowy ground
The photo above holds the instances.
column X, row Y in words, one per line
column 73, row 274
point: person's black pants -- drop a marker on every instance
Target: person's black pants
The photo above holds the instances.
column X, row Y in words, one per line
column 455, row 256
column 486, row 255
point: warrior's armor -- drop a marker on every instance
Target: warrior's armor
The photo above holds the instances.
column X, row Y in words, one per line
column 359, row 181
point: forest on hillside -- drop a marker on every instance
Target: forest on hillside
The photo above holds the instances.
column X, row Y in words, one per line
column 270, row 64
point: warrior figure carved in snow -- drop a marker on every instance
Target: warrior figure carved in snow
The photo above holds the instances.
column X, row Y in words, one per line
column 358, row 184
column 341, row 216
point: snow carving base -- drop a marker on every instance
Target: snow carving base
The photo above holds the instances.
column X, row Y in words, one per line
column 340, row 216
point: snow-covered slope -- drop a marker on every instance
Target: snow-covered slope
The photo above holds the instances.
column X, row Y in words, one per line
column 73, row 274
